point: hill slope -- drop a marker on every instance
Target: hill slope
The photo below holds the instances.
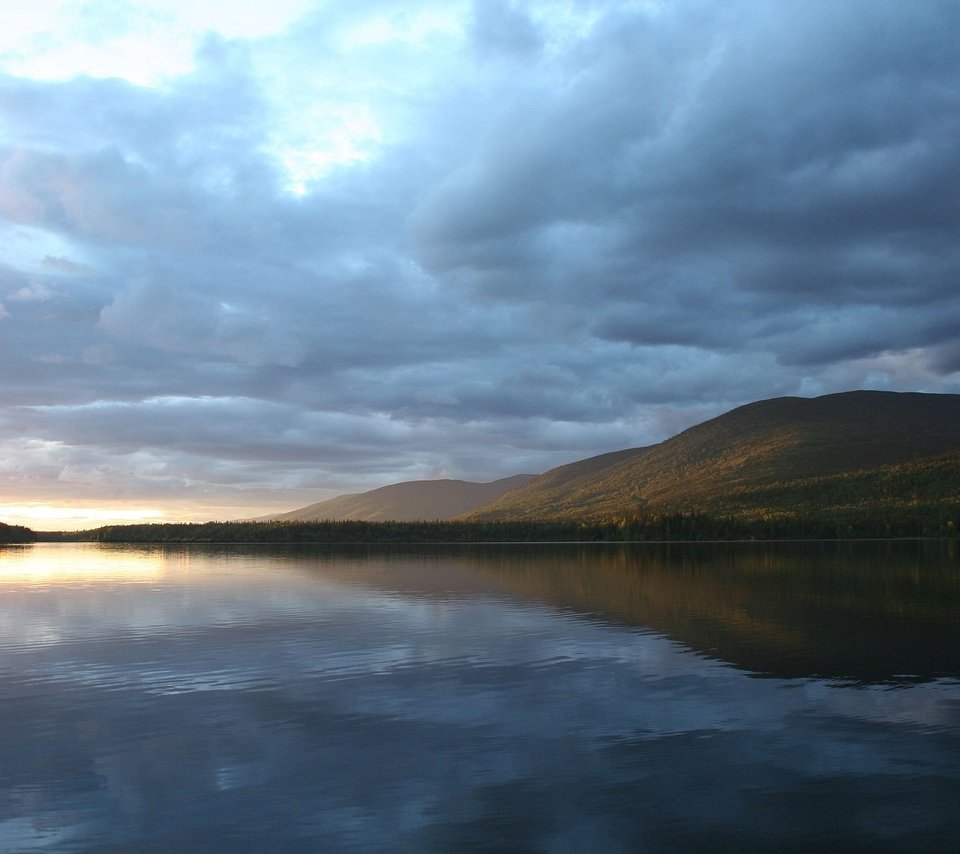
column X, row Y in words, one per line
column 16, row 534
column 418, row 500
column 730, row 463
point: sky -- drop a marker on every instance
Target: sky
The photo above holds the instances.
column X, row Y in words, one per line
column 254, row 255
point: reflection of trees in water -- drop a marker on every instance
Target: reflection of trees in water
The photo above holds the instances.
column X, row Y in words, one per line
column 865, row 612
column 862, row 611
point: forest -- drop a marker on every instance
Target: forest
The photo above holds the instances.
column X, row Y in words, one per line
column 16, row 534
column 919, row 520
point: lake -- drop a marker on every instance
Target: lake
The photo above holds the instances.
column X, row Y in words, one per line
column 569, row 698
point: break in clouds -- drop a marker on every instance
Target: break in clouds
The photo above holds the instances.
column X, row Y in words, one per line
column 378, row 242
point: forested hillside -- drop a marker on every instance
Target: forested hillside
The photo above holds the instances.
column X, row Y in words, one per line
column 781, row 457
column 16, row 534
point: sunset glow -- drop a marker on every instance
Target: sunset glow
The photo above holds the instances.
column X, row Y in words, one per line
column 45, row 517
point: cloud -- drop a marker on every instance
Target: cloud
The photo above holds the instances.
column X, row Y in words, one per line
column 34, row 292
column 502, row 29
column 58, row 262
column 479, row 238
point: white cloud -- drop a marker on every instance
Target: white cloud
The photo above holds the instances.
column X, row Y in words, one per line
column 146, row 42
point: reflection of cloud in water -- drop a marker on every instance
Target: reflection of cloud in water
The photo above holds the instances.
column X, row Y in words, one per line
column 244, row 703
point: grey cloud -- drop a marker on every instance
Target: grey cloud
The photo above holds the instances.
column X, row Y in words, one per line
column 57, row 262
column 859, row 332
column 745, row 139
column 500, row 28
column 190, row 321
column 946, row 358
column 161, row 169
column 563, row 241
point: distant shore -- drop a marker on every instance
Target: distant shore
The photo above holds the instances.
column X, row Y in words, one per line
column 668, row 527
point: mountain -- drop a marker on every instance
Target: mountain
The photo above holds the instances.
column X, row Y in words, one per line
column 417, row 500
column 764, row 456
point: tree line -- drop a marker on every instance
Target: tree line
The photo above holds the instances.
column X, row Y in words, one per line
column 939, row 520
column 16, row 534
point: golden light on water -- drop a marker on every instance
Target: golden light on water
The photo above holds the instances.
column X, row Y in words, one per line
column 44, row 564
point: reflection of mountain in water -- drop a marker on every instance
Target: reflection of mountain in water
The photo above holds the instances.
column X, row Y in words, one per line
column 867, row 612
column 860, row 611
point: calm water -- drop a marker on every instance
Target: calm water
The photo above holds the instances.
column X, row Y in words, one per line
column 568, row 698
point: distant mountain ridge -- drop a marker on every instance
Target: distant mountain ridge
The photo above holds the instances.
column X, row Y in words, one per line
column 758, row 457
column 411, row 501
column 850, row 452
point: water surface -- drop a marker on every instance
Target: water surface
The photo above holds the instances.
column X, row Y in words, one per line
column 529, row 698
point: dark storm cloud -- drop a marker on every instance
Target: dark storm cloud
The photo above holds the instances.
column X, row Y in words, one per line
column 576, row 227
column 803, row 151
